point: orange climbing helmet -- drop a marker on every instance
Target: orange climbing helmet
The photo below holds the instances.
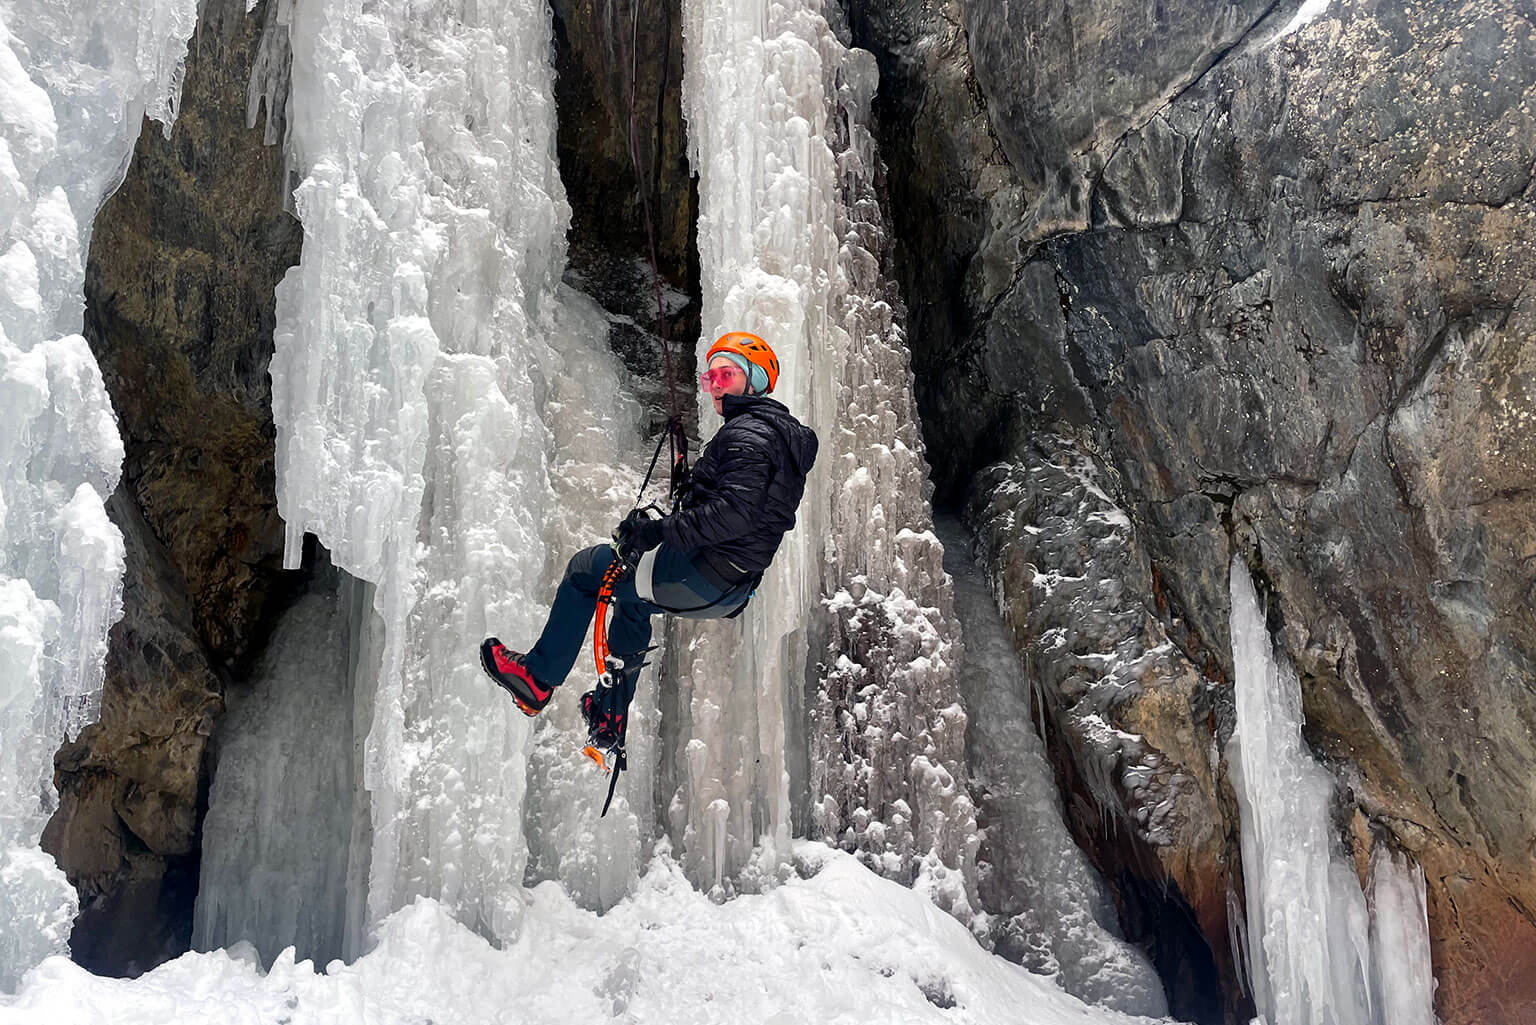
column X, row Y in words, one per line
column 747, row 348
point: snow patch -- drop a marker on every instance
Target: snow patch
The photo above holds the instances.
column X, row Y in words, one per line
column 841, row 945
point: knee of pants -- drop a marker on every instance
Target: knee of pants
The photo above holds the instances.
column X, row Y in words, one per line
column 630, row 628
column 586, row 568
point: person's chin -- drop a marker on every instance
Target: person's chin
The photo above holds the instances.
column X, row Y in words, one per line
column 719, row 406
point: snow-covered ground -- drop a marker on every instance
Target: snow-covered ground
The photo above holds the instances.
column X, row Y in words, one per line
column 843, row 945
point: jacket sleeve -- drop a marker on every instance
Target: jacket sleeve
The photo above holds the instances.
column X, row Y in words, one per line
column 731, row 512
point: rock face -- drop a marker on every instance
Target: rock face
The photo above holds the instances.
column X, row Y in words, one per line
column 1279, row 274
column 623, row 161
column 180, row 313
column 1125, row 709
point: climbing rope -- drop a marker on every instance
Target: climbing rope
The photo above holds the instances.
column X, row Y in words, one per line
column 674, row 437
column 679, row 443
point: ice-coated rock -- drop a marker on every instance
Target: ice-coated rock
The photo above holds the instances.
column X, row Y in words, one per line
column 1051, row 911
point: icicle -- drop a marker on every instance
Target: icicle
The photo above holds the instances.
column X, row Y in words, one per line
column 1316, row 954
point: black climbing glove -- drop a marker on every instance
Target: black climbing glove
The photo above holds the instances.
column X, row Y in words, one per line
column 638, row 534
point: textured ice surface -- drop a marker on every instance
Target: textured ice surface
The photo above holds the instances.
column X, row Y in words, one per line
column 1316, row 953
column 450, row 426
column 1058, row 916
column 789, row 240
column 76, row 80
column 844, row 947
column 594, row 422
column 276, row 839
column 1403, row 979
column 37, row 907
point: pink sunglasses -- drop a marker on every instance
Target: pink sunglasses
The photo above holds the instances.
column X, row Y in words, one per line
column 718, row 377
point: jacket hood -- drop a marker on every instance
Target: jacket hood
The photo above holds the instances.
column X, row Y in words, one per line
column 799, row 440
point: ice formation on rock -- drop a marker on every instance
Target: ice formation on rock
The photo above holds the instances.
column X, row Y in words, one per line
column 1051, row 910
column 1073, row 581
column 75, row 83
column 790, row 240
column 1318, row 955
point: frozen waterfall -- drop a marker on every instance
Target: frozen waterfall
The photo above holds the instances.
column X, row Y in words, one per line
column 76, row 81
column 451, row 427
column 1318, row 953
column 428, row 366
column 791, row 242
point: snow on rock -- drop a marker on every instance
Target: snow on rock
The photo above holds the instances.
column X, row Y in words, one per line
column 76, row 80
column 843, row 946
column 791, row 244
column 1074, row 584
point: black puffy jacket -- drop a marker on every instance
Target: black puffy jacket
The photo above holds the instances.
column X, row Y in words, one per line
column 745, row 488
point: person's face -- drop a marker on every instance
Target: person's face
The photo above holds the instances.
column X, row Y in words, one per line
column 723, row 378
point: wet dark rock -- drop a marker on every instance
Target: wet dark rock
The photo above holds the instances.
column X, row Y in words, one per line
column 126, row 831
column 622, row 147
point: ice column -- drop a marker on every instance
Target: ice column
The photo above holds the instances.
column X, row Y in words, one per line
column 753, row 99
column 76, row 80
column 1403, row 980
column 279, row 822
column 790, row 244
column 1315, row 951
column 414, row 388
column 887, row 744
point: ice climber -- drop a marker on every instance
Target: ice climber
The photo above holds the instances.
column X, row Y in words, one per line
column 702, row 561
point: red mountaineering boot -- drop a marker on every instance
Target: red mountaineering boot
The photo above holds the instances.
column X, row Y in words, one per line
column 505, row 666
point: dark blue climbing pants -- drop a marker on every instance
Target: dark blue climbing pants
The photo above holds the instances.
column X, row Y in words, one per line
column 677, row 585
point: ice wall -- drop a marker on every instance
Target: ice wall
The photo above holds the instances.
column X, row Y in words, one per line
column 445, row 427
column 887, row 743
column 1317, row 953
column 594, row 420
column 789, row 240
column 277, row 836
column 76, row 80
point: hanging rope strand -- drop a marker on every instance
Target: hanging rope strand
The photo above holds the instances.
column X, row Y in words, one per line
column 646, row 184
